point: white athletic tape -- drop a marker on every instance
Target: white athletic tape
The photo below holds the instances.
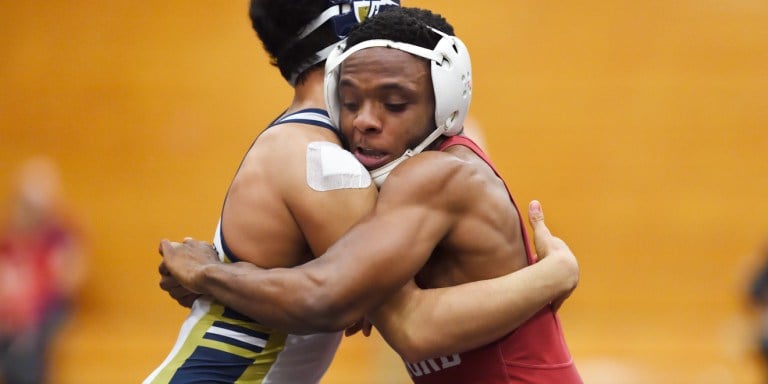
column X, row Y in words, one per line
column 330, row 167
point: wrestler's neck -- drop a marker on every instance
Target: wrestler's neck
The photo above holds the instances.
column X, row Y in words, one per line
column 309, row 94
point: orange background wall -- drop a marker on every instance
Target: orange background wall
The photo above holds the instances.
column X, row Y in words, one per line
column 642, row 126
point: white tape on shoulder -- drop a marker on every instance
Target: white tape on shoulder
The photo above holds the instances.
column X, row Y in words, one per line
column 330, row 167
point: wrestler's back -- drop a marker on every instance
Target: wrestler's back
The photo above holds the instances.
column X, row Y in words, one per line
column 257, row 222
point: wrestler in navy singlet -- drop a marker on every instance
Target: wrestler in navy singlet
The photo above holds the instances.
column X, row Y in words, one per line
column 219, row 345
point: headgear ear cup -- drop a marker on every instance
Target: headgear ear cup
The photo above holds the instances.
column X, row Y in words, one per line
column 452, row 84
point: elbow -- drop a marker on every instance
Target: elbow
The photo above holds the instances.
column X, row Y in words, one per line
column 321, row 316
column 414, row 346
column 323, row 308
column 413, row 351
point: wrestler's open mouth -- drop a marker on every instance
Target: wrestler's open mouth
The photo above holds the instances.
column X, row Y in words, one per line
column 371, row 158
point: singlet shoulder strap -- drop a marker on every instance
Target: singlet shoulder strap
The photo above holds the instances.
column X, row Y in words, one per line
column 311, row 116
column 466, row 142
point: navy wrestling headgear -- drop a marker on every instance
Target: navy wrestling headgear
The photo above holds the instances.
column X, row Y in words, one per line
column 343, row 16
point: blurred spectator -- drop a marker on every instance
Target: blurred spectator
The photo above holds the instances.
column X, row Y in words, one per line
column 759, row 297
column 41, row 267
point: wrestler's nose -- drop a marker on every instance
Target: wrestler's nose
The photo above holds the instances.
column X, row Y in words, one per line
column 367, row 119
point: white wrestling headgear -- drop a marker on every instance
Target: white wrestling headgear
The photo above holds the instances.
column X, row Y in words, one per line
column 451, row 71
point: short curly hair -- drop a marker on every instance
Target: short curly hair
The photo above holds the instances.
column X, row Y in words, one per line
column 403, row 24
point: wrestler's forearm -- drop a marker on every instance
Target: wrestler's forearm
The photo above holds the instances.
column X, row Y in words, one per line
column 438, row 322
column 281, row 298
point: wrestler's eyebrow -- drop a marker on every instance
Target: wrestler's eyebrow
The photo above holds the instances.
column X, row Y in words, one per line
column 394, row 86
column 390, row 86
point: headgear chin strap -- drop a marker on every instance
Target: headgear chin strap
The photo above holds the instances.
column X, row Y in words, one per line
column 451, row 71
column 343, row 15
column 379, row 175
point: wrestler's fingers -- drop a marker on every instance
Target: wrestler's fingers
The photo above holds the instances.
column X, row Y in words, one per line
column 183, row 296
column 168, row 282
column 163, row 269
column 188, row 300
column 160, row 246
column 352, row 329
column 536, row 218
column 166, row 245
column 190, row 241
column 367, row 328
column 540, row 231
column 362, row 325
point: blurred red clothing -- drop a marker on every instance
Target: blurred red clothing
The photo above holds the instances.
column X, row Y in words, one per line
column 28, row 279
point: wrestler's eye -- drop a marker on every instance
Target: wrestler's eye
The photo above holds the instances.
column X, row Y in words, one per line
column 350, row 106
column 395, row 107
